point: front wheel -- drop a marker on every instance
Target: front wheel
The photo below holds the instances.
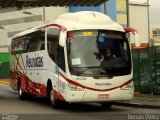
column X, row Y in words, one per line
column 22, row 95
column 54, row 102
column 106, row 105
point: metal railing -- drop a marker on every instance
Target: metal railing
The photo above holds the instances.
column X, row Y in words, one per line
column 146, row 69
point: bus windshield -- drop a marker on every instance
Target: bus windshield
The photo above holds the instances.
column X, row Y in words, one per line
column 98, row 52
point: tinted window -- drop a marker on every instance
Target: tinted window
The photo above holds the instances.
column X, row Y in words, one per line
column 28, row 43
column 93, row 51
column 52, row 43
column 35, row 41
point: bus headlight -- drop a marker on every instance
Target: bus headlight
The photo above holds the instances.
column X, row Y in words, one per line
column 74, row 87
column 128, row 87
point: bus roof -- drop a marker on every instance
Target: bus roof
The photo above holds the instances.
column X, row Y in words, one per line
column 80, row 21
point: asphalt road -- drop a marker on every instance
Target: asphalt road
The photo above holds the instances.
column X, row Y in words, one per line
column 38, row 108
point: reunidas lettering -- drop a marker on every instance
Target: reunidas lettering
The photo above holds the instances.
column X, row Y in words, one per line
column 34, row 62
column 103, row 84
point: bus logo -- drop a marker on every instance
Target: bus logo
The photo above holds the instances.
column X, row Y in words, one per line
column 103, row 84
column 34, row 62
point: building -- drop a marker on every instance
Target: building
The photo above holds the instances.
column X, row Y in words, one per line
column 155, row 35
column 116, row 9
column 139, row 19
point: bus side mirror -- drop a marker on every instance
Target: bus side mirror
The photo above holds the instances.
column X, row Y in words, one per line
column 62, row 38
column 135, row 33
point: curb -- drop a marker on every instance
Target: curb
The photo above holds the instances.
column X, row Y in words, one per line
column 4, row 82
column 145, row 95
column 137, row 105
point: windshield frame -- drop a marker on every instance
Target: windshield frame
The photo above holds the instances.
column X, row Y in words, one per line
column 97, row 67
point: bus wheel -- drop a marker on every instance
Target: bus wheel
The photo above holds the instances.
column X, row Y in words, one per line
column 22, row 95
column 106, row 105
column 54, row 102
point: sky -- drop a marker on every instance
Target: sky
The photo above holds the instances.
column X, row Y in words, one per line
column 154, row 11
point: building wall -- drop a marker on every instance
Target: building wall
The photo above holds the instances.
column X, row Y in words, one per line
column 116, row 9
column 77, row 9
column 156, row 36
column 121, row 12
column 54, row 12
column 138, row 17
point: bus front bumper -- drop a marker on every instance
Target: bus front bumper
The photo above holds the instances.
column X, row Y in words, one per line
column 98, row 96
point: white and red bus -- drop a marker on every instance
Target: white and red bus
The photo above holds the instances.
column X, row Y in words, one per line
column 79, row 57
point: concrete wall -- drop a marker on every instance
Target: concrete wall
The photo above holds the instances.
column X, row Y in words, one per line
column 54, row 12
column 14, row 21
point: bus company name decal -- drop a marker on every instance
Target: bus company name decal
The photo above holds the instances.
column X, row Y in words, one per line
column 103, row 84
column 34, row 61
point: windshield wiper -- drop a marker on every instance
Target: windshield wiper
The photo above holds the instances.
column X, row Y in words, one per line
column 87, row 68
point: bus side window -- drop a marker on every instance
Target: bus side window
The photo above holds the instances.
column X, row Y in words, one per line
column 52, row 46
column 26, row 46
column 50, row 52
column 13, row 46
column 35, row 41
column 55, row 52
column 52, row 43
column 42, row 46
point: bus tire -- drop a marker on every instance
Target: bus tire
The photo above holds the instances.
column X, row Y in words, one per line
column 106, row 105
column 21, row 94
column 54, row 102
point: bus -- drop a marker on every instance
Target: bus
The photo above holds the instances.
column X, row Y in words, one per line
column 77, row 58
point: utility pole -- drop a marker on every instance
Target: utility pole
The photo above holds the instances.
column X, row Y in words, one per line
column 149, row 40
column 105, row 10
column 127, row 10
column 44, row 15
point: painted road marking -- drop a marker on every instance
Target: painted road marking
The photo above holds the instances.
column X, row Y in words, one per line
column 4, row 82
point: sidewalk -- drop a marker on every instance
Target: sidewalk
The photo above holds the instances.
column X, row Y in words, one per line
column 142, row 101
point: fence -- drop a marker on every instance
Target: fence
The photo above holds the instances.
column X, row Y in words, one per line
column 4, row 70
column 146, row 64
column 4, row 65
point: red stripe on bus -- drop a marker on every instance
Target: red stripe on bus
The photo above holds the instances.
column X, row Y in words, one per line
column 77, row 84
column 55, row 25
column 31, row 87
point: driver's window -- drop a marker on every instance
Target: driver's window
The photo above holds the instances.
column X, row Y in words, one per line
column 52, row 43
column 55, row 51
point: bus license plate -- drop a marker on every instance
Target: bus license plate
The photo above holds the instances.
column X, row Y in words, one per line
column 103, row 96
